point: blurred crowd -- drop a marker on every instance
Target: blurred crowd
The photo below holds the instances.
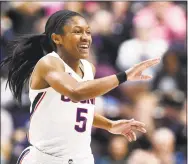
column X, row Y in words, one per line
column 124, row 34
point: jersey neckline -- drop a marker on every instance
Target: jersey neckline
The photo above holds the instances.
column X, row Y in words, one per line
column 82, row 62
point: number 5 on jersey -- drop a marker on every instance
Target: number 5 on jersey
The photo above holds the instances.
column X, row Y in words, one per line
column 81, row 119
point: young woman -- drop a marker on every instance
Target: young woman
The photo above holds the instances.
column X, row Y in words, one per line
column 62, row 90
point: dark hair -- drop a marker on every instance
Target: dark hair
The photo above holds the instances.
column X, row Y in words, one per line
column 28, row 50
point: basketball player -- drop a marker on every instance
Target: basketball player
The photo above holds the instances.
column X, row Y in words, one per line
column 62, row 91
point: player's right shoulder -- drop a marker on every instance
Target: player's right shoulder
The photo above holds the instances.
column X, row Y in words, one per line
column 50, row 62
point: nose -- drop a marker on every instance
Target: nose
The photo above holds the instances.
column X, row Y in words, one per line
column 85, row 37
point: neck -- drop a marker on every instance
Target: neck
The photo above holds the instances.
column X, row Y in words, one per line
column 71, row 62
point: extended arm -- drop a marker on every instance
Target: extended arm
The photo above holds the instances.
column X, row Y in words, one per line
column 52, row 71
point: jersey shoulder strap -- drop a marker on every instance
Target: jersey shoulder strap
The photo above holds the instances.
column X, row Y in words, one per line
column 88, row 71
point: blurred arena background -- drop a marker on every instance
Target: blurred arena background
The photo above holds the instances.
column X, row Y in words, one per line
column 124, row 33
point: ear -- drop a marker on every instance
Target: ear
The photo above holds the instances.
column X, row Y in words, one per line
column 57, row 39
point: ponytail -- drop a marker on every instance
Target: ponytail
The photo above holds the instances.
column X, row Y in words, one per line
column 28, row 50
column 25, row 53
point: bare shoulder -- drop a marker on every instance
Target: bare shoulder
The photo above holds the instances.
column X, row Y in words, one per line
column 49, row 63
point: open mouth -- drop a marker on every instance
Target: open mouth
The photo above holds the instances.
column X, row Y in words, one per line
column 83, row 47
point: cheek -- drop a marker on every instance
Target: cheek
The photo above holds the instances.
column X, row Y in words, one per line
column 74, row 41
column 71, row 43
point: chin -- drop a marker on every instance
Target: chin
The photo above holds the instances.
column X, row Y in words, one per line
column 84, row 55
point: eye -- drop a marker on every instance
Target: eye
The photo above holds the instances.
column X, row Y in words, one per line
column 88, row 32
column 77, row 31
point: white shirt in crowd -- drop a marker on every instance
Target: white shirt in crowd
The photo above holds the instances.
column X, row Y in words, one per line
column 134, row 51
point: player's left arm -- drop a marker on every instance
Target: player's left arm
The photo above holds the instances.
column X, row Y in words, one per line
column 122, row 127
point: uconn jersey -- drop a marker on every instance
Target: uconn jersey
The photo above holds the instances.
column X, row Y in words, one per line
column 58, row 126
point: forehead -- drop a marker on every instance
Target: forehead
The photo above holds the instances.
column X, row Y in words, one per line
column 76, row 21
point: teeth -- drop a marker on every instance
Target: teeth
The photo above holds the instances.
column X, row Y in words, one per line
column 83, row 46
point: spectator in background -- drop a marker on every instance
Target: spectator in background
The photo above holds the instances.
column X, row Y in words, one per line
column 182, row 147
column 170, row 77
column 166, row 19
column 19, row 18
column 74, row 6
column 19, row 142
column 139, row 48
column 144, row 108
column 122, row 20
column 172, row 106
column 51, row 7
column 6, row 136
column 115, row 26
column 140, row 156
column 91, row 7
column 39, row 25
column 24, row 12
column 6, row 25
column 105, row 19
column 7, row 99
column 118, row 150
column 163, row 142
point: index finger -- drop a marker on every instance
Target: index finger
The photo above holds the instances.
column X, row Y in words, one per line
column 148, row 63
column 141, row 129
column 138, row 123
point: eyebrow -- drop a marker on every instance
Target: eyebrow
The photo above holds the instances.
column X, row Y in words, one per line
column 80, row 27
